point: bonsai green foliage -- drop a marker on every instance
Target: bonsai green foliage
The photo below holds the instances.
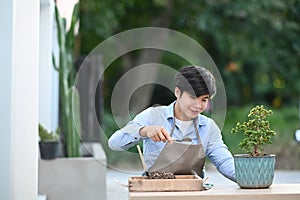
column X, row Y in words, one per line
column 257, row 131
column 68, row 93
column 48, row 136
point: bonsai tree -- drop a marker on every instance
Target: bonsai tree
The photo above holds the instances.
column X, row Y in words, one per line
column 48, row 136
column 256, row 130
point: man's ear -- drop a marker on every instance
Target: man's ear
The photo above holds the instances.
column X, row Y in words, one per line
column 177, row 92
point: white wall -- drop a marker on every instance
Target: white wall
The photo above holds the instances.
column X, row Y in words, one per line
column 48, row 77
column 19, row 50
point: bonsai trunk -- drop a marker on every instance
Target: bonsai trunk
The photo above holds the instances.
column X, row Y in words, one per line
column 255, row 151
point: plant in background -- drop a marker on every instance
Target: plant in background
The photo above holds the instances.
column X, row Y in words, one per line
column 48, row 135
column 49, row 143
column 256, row 130
column 68, row 93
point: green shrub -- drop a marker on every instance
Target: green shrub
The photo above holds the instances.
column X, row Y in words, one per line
column 48, row 136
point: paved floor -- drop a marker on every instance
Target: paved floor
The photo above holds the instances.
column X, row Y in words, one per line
column 117, row 192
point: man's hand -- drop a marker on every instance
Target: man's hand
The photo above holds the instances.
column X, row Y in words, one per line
column 156, row 133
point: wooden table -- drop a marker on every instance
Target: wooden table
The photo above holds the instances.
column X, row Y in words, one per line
column 226, row 192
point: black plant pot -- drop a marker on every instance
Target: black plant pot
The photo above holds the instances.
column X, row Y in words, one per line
column 49, row 149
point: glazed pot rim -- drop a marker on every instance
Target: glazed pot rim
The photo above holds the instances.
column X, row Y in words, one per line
column 249, row 156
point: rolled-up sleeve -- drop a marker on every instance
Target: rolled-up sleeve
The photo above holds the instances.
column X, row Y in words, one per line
column 219, row 154
column 129, row 135
column 125, row 138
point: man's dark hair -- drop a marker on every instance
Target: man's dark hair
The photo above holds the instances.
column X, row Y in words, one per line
column 196, row 81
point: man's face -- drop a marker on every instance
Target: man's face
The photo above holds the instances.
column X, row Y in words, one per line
column 189, row 106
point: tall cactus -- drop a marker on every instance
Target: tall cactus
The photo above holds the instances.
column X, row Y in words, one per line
column 68, row 93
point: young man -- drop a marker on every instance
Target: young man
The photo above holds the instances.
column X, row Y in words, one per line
column 163, row 128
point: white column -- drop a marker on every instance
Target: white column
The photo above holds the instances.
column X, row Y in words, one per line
column 19, row 50
column 5, row 99
column 48, row 77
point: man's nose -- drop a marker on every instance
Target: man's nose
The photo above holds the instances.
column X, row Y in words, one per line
column 198, row 105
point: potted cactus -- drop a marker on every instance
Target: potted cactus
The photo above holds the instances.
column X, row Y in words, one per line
column 49, row 143
column 81, row 164
column 255, row 169
column 68, row 94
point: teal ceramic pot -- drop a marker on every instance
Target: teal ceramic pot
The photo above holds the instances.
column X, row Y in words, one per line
column 254, row 172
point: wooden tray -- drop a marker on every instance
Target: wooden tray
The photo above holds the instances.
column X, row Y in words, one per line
column 181, row 183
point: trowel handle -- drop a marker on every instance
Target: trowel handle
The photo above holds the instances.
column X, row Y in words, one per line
column 142, row 157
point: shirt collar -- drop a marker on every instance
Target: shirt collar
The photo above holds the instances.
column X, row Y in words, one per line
column 170, row 114
column 170, row 111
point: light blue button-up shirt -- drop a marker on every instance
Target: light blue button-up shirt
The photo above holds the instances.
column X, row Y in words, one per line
column 210, row 135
